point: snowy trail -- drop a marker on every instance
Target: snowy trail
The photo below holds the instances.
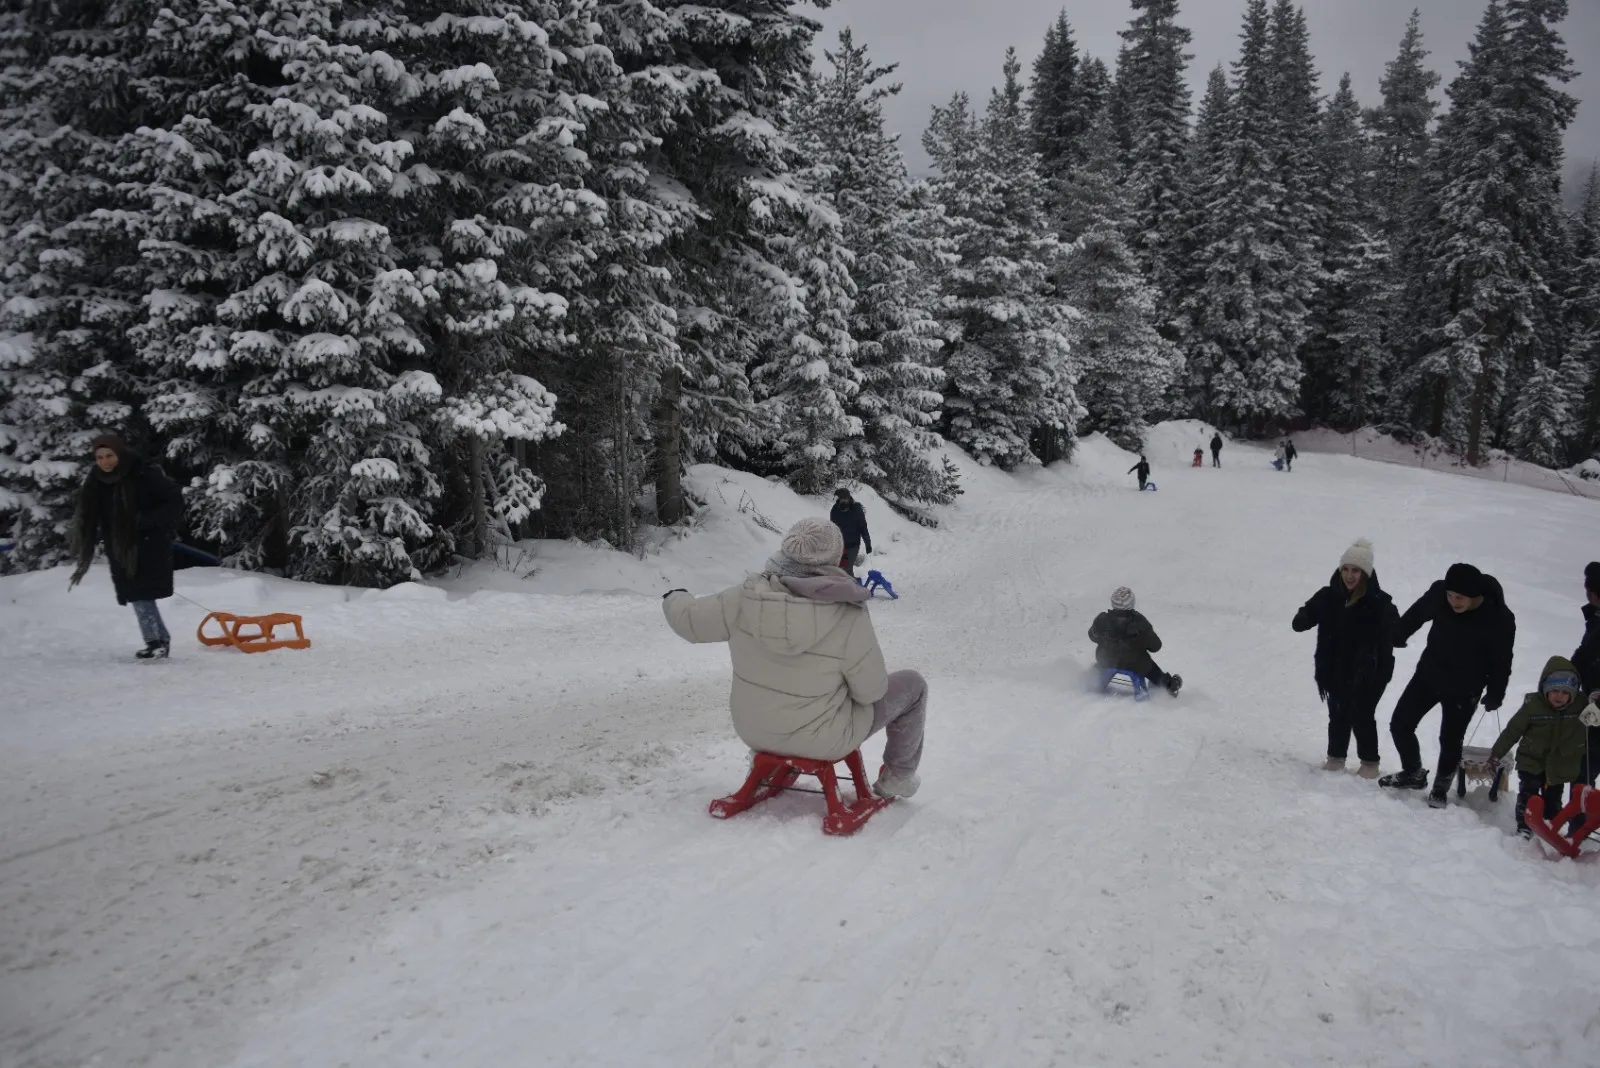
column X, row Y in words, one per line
column 499, row 873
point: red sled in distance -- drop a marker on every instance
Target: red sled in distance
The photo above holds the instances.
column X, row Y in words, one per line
column 1585, row 801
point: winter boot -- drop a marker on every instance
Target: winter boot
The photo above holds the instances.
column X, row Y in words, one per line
column 154, row 651
column 1438, row 798
column 1369, row 769
column 1174, row 684
column 1333, row 763
column 1406, row 780
column 896, row 783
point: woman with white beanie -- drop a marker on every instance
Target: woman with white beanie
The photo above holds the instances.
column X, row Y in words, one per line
column 809, row 679
column 1355, row 623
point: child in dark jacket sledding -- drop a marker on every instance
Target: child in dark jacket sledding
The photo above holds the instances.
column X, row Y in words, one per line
column 1550, row 739
column 1124, row 639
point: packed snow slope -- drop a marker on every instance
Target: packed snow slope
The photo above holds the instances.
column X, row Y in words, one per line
column 468, row 826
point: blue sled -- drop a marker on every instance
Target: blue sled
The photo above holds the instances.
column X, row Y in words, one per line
column 1277, row 465
column 1125, row 682
column 1151, row 486
column 874, row 582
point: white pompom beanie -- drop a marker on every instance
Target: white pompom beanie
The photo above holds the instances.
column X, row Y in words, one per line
column 815, row 543
column 1358, row 555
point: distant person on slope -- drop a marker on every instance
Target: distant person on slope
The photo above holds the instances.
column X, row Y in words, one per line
column 1469, row 649
column 1290, row 454
column 1124, row 639
column 1587, row 661
column 1549, row 738
column 1355, row 622
column 132, row 510
column 1143, row 468
column 808, row 676
column 1216, row 449
column 851, row 519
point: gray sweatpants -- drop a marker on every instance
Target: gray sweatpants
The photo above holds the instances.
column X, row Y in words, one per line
column 903, row 712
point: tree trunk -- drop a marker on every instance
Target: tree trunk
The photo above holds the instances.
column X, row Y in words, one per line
column 480, row 507
column 1480, row 400
column 671, row 507
column 1436, row 406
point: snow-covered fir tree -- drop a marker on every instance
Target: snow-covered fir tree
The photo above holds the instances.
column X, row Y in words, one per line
column 1066, row 96
column 1401, row 131
column 1009, row 385
column 1153, row 98
column 1125, row 367
column 1481, row 309
column 1346, row 361
column 890, row 230
column 1580, row 369
column 73, row 79
column 1246, row 320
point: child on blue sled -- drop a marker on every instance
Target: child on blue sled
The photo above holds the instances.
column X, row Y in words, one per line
column 1124, row 640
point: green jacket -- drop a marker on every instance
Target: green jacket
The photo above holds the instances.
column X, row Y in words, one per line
column 1549, row 742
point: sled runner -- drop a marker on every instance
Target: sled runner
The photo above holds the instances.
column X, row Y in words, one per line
column 1585, row 801
column 1151, row 486
column 1477, row 766
column 771, row 774
column 1115, row 680
column 259, row 640
column 875, row 581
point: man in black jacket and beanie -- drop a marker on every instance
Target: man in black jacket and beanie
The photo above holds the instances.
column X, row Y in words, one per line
column 1587, row 661
column 1468, row 656
column 128, row 506
column 851, row 519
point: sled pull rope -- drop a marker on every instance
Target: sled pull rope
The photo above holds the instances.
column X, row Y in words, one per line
column 1479, row 722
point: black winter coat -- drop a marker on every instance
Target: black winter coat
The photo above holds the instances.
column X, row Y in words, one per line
column 135, row 518
column 1143, row 468
column 1468, row 653
column 851, row 519
column 1124, row 639
column 1587, row 658
column 1216, row 443
column 1355, row 642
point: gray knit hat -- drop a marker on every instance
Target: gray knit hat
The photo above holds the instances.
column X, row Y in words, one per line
column 1122, row 599
column 815, row 543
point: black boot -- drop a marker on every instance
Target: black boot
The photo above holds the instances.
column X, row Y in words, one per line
column 154, row 651
column 1174, row 684
column 1406, row 780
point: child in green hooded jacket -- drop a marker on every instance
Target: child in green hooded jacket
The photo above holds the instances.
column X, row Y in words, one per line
column 1550, row 739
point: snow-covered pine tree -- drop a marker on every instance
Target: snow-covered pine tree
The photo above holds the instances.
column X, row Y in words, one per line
column 1247, row 319
column 285, row 336
column 1346, row 362
column 1580, row 369
column 1207, row 179
column 1486, row 236
column 889, row 229
column 1066, row 96
column 1155, row 100
column 1401, row 131
column 1541, row 426
column 73, row 78
column 1125, row 367
column 733, row 64
column 1295, row 131
column 1009, row 385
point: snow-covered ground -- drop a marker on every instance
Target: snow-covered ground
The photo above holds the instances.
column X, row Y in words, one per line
column 468, row 826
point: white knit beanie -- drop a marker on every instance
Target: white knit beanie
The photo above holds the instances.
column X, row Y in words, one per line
column 1358, row 555
column 1122, row 599
column 815, row 543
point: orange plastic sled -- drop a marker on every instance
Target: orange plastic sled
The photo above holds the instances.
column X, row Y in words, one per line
column 258, row 641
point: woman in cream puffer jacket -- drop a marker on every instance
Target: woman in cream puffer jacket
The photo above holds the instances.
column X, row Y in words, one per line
column 809, row 678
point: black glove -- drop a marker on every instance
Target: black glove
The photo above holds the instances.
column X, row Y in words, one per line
column 669, row 593
column 1493, row 701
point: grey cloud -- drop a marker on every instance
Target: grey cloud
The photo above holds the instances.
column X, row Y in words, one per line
column 944, row 46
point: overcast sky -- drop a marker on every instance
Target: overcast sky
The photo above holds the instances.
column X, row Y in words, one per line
column 944, row 46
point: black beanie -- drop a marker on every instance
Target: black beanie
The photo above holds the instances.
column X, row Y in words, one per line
column 109, row 441
column 1591, row 577
column 1465, row 580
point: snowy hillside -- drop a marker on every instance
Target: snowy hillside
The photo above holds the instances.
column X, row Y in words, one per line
column 468, row 826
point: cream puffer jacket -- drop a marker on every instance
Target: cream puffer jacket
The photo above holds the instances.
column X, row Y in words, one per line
column 806, row 662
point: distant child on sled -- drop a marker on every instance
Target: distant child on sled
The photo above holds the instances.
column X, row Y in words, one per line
column 1550, row 738
column 1124, row 639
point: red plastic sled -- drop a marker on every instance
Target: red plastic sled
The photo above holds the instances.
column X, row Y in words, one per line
column 771, row 774
column 1585, row 799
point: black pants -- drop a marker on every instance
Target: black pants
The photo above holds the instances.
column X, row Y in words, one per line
column 1415, row 703
column 1355, row 713
column 1591, row 759
column 1529, row 784
column 1216, row 458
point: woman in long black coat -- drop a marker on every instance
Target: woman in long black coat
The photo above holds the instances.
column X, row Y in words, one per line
column 132, row 510
column 1355, row 622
